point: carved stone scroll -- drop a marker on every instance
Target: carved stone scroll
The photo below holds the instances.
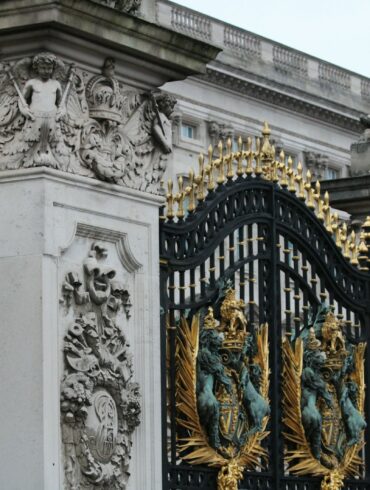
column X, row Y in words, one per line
column 100, row 402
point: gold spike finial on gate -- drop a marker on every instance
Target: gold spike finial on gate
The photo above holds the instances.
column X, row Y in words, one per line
column 190, row 191
column 199, row 179
column 336, row 230
column 179, row 198
column 229, row 160
column 220, row 164
column 283, row 170
column 320, row 202
column 239, row 171
column 353, row 248
column 249, row 155
column 300, row 182
column 267, row 150
column 291, row 176
column 344, row 241
column 274, row 171
column 209, row 170
column 362, row 253
column 309, row 190
column 257, row 156
column 326, row 208
column 170, row 200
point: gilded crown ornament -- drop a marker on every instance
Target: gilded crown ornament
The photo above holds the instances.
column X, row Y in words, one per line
column 233, row 322
column 225, row 425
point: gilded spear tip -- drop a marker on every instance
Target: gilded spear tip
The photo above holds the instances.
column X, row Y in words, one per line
column 266, row 131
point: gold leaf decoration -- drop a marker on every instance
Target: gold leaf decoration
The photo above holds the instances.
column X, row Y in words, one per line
column 195, row 449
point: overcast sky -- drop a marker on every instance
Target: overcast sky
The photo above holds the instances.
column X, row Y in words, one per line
column 337, row 31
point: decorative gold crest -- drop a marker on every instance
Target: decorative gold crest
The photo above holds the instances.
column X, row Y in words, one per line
column 222, row 392
column 323, row 403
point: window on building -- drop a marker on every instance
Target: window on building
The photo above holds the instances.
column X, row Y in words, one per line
column 188, row 131
column 331, row 173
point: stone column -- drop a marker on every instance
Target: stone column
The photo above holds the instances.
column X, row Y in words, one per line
column 85, row 139
column 52, row 219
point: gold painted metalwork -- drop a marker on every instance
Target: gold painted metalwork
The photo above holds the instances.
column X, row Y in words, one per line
column 291, row 176
column 283, row 170
column 300, row 181
column 229, row 160
column 231, row 460
column 309, row 190
column 299, row 457
column 344, row 241
column 220, row 165
column 258, row 156
column 249, row 157
column 333, row 481
column 170, row 200
column 327, row 213
column 261, row 161
column 240, row 171
column 179, row 198
column 320, row 202
column 200, row 180
column 190, row 191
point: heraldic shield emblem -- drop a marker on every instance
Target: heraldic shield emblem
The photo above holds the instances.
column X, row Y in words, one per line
column 222, row 396
column 324, row 394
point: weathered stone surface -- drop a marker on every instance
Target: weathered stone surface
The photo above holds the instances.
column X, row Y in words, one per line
column 52, row 218
column 54, row 116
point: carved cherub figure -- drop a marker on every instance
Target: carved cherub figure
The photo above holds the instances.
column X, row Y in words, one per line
column 43, row 94
column 42, row 107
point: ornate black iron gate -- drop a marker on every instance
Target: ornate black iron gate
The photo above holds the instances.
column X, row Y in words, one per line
column 261, row 227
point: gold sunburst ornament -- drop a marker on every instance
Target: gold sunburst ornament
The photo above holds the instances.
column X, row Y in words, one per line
column 323, row 402
column 222, row 391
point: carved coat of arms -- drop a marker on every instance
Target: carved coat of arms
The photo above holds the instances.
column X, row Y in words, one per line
column 100, row 402
column 222, row 395
column 324, row 392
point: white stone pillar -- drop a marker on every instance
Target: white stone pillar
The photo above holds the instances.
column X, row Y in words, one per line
column 48, row 222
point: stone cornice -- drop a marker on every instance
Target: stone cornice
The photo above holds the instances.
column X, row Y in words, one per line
column 105, row 26
column 339, row 116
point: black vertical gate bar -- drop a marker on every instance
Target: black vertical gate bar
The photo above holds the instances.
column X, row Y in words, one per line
column 163, row 346
column 251, row 279
column 241, row 248
column 275, row 339
column 287, row 288
column 171, row 328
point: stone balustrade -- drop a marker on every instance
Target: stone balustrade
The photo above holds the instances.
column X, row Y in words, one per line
column 192, row 23
column 289, row 61
column 241, row 42
column 365, row 89
column 334, row 76
column 246, row 45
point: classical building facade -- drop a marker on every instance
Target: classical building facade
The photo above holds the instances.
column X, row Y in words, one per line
column 313, row 107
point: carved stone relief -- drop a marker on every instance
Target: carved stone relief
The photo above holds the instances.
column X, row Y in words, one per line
column 317, row 163
column 128, row 6
column 100, row 402
column 50, row 115
column 219, row 132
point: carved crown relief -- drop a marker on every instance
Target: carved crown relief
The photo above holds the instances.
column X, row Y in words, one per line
column 100, row 402
column 49, row 117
